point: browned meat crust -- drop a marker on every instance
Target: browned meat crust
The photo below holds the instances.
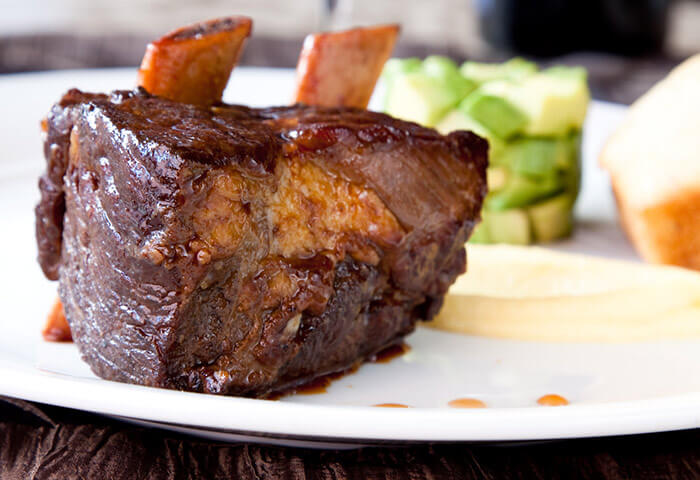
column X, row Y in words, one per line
column 242, row 251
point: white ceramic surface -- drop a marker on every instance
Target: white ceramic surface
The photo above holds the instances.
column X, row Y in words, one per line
column 613, row 388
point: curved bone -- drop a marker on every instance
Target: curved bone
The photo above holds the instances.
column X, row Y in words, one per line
column 340, row 69
column 192, row 64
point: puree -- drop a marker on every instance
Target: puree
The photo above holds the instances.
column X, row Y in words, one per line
column 533, row 293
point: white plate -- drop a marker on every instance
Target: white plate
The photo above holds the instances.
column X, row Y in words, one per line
column 613, row 389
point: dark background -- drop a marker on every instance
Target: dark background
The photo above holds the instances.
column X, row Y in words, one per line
column 627, row 45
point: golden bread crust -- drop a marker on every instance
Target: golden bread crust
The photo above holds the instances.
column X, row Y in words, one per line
column 668, row 232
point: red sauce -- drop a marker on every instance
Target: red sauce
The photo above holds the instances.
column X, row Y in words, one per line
column 315, row 386
column 321, row 384
column 390, row 353
column 552, row 400
column 318, row 385
column 56, row 328
column 392, row 405
column 466, row 403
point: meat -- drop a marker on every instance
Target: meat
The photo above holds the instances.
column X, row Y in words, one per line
column 242, row 251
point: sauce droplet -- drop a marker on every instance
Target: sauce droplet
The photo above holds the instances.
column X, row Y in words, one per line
column 467, row 403
column 552, row 400
column 314, row 387
column 390, row 353
column 56, row 328
column 392, row 405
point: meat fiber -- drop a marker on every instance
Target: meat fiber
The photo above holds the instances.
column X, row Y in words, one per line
column 242, row 251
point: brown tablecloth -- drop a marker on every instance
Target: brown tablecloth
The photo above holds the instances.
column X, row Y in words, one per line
column 44, row 442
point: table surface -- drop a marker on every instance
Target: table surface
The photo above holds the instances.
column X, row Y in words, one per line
column 42, row 442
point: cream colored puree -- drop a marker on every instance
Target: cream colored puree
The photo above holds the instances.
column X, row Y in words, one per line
column 531, row 293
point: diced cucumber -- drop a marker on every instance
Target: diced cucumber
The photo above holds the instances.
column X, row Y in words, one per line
column 521, row 191
column 539, row 157
column 513, row 98
column 553, row 218
column 419, row 98
column 513, row 69
column 494, row 112
column 458, row 120
column 561, row 107
column 446, row 70
column 555, row 103
column 532, row 121
column 398, row 66
column 424, row 93
column 571, row 179
column 509, row 226
column 571, row 146
column 496, row 178
column 532, row 156
column 438, row 66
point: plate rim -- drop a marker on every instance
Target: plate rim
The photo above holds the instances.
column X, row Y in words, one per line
column 665, row 413
column 285, row 419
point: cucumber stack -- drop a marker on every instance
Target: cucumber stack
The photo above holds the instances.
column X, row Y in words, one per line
column 532, row 120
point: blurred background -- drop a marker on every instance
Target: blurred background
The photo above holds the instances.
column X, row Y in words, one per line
column 627, row 45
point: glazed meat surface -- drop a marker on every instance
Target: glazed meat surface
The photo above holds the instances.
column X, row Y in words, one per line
column 243, row 251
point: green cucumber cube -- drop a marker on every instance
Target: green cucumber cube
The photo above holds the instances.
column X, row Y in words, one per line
column 572, row 145
column 399, row 66
column 509, row 226
column 496, row 178
column 438, row 66
column 553, row 218
column 446, row 70
column 521, row 191
column 494, row 112
column 458, row 120
column 419, row 98
column 424, row 93
column 555, row 103
column 513, row 69
column 537, row 157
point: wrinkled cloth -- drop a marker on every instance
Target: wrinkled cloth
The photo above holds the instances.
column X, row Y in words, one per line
column 43, row 442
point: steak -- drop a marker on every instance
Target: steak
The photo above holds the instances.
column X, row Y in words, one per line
column 243, row 251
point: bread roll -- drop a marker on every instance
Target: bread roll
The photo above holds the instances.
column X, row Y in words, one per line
column 654, row 164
